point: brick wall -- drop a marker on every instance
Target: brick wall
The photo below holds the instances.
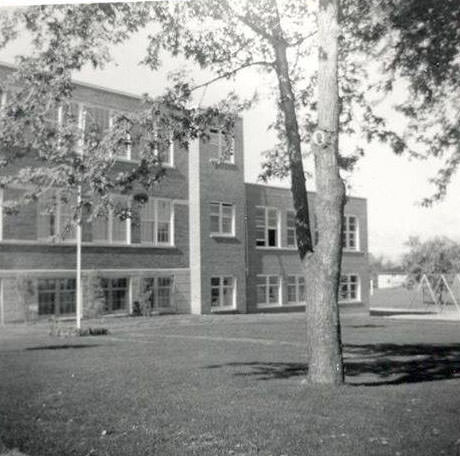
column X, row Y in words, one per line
column 284, row 261
column 222, row 182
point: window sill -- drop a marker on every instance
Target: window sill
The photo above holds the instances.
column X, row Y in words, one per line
column 352, row 251
column 136, row 161
column 350, row 301
column 269, row 306
column 222, row 164
column 223, row 236
column 275, row 249
column 222, row 308
column 84, row 244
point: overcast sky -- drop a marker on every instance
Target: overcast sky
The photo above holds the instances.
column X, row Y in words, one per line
column 392, row 185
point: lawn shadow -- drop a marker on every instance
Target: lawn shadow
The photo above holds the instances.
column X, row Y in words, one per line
column 395, row 364
column 364, row 326
column 61, row 347
column 265, row 371
column 369, row 365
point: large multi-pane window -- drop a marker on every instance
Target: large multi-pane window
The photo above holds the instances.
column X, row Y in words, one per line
column 55, row 217
column 296, row 289
column 268, row 290
column 159, row 291
column 97, row 122
column 115, row 294
column 110, row 227
column 290, row 229
column 56, row 296
column 267, row 227
column 156, row 222
column 222, row 146
column 350, row 238
column 161, row 139
column 222, row 292
column 349, row 288
column 222, row 218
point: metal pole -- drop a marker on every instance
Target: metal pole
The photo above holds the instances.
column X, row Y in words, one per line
column 2, row 308
column 78, row 281
column 81, row 126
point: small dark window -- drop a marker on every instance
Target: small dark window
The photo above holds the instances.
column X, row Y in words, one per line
column 272, row 238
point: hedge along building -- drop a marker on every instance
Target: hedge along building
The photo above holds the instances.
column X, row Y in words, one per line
column 204, row 242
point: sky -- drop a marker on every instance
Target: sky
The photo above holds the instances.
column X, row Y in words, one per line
column 392, row 185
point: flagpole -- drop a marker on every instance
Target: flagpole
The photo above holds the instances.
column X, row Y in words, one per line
column 79, row 300
column 78, row 281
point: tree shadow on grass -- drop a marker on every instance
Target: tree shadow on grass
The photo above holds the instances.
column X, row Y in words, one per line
column 370, row 365
column 265, row 371
column 61, row 347
column 394, row 364
column 368, row 326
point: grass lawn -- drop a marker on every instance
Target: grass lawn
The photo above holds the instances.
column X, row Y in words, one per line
column 229, row 385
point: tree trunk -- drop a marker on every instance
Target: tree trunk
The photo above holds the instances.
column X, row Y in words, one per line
column 298, row 182
column 322, row 269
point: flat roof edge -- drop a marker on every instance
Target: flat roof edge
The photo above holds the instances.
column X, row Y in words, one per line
column 275, row 187
column 88, row 85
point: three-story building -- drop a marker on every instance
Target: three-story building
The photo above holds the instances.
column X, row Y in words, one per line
column 204, row 242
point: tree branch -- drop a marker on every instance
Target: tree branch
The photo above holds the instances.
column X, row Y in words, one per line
column 246, row 21
column 228, row 74
column 303, row 39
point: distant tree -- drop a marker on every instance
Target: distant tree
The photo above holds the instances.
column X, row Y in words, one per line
column 379, row 263
column 438, row 255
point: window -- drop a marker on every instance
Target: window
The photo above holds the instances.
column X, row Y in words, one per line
column 123, row 149
column 290, row 227
column 222, row 292
column 115, row 294
column 159, row 291
column 109, row 227
column 2, row 99
column 55, row 217
column 97, row 122
column 156, row 222
column 222, row 218
column 56, row 296
column 53, row 116
column 296, row 289
column 222, row 145
column 161, row 138
column 349, row 288
column 267, row 222
column 268, row 290
column 165, row 148
column 315, row 229
column 350, row 238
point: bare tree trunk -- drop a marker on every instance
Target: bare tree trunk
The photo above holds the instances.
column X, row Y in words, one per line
column 322, row 270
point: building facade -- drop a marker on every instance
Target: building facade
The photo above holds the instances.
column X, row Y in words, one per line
column 204, row 242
